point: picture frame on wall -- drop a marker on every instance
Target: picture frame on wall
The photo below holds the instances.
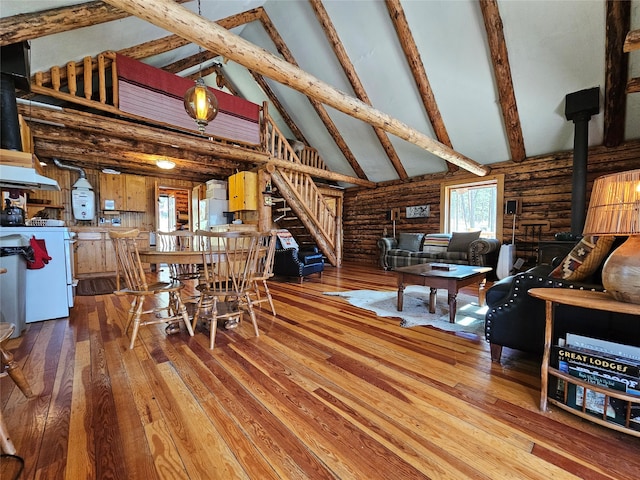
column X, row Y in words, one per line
column 418, row 211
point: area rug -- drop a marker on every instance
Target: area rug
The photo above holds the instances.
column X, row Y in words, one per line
column 415, row 311
column 96, row 286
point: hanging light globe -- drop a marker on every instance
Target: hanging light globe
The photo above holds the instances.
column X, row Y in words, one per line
column 201, row 104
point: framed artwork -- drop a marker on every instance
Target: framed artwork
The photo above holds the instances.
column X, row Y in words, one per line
column 418, row 211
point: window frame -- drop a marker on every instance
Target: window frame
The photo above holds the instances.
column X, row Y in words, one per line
column 446, row 187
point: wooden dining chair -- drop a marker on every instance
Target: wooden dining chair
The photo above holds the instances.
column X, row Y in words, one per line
column 229, row 260
column 264, row 270
column 131, row 269
column 13, row 369
column 176, row 241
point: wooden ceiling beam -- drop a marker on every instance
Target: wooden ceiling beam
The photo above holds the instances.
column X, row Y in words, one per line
column 27, row 26
column 112, row 127
column 504, row 81
column 166, row 14
column 412, row 55
column 618, row 20
column 331, row 127
column 350, row 71
column 114, row 146
column 93, row 158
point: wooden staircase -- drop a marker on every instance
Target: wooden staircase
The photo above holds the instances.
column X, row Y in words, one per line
column 299, row 205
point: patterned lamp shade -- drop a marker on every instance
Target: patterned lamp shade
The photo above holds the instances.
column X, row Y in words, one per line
column 614, row 209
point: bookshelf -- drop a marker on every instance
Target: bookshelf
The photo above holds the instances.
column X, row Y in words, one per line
column 586, row 299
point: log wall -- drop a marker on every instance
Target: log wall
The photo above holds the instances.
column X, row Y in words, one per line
column 541, row 184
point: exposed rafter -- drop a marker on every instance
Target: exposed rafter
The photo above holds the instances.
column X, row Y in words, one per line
column 354, row 80
column 504, row 82
column 410, row 49
column 616, row 71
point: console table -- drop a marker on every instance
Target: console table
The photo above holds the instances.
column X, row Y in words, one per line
column 586, row 299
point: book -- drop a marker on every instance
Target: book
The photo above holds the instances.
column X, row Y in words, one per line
column 630, row 384
column 598, row 380
column 589, row 358
column 604, row 346
column 442, row 266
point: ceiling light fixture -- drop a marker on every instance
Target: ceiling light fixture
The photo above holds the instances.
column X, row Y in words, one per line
column 165, row 164
column 199, row 102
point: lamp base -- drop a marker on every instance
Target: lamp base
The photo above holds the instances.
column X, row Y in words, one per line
column 621, row 272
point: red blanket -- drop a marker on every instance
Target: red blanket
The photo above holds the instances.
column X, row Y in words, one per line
column 153, row 93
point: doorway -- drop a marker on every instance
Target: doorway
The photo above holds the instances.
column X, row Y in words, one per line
column 173, row 209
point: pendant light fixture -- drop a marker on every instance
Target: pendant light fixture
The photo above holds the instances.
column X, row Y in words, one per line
column 199, row 102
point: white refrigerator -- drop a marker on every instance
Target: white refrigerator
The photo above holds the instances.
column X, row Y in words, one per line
column 212, row 212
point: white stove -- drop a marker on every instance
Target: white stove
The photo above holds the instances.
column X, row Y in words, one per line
column 50, row 290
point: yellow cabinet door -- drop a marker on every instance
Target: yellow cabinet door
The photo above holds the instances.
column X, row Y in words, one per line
column 243, row 191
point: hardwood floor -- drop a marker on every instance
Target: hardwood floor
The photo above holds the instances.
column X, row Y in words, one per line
column 328, row 391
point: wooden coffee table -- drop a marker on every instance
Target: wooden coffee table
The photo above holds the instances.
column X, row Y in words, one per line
column 453, row 280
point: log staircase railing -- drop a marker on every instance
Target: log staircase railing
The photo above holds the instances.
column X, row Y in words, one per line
column 323, row 222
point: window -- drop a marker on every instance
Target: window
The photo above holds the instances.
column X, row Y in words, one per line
column 473, row 205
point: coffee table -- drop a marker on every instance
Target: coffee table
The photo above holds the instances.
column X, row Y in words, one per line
column 450, row 277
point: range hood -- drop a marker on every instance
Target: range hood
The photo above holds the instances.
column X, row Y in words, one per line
column 25, row 179
column 16, row 171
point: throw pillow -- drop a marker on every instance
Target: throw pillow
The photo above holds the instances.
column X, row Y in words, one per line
column 410, row 241
column 460, row 241
column 436, row 242
column 286, row 239
column 584, row 259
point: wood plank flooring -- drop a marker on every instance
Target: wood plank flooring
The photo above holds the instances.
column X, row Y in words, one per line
column 328, row 391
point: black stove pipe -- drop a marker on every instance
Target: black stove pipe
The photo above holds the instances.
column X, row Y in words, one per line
column 9, row 126
column 579, row 107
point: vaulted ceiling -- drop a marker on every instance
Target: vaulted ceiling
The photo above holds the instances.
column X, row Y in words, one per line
column 485, row 79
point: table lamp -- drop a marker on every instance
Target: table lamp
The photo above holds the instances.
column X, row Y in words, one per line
column 614, row 209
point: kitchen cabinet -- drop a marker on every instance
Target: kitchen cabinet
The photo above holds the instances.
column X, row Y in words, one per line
column 94, row 253
column 243, row 191
column 128, row 192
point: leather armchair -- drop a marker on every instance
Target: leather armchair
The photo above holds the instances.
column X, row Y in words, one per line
column 292, row 262
column 517, row 320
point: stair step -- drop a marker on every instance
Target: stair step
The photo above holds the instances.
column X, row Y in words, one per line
column 283, row 209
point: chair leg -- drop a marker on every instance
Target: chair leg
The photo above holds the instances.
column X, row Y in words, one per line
column 268, row 294
column 139, row 303
column 15, row 372
column 496, row 352
column 252, row 314
column 5, row 441
column 181, row 310
column 213, row 326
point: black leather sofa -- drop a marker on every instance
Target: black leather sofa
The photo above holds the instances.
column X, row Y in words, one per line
column 294, row 262
column 517, row 320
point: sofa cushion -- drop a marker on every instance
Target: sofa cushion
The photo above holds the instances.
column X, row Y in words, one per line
column 436, row 242
column 460, row 241
column 410, row 241
column 584, row 259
